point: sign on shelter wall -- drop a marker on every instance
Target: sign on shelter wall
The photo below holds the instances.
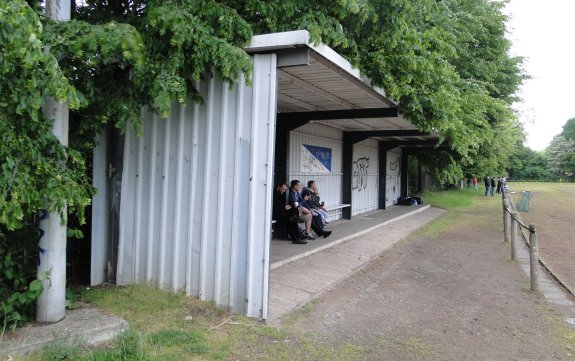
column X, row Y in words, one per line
column 315, row 159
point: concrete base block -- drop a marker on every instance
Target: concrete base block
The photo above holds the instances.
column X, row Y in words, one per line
column 85, row 325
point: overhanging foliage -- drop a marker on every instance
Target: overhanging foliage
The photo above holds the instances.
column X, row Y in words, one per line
column 446, row 62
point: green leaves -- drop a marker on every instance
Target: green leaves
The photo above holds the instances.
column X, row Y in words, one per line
column 18, row 288
column 445, row 62
column 31, row 157
column 75, row 233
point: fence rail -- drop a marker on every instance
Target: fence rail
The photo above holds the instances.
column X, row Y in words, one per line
column 511, row 226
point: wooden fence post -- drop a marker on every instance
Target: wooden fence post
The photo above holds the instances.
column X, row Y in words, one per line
column 533, row 257
column 505, row 221
column 513, row 235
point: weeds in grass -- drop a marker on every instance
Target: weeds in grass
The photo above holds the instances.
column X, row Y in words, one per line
column 175, row 338
column 127, row 346
column 62, row 350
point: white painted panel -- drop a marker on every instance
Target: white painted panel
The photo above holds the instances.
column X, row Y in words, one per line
column 100, row 212
column 329, row 184
column 393, row 178
column 196, row 195
column 365, row 177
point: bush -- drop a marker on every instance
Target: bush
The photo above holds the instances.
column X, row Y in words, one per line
column 19, row 288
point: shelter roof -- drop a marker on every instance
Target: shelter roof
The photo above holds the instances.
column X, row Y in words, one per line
column 313, row 78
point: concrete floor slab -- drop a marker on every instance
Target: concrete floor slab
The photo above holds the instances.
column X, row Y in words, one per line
column 283, row 251
column 298, row 278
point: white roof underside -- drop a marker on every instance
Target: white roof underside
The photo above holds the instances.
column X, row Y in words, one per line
column 324, row 80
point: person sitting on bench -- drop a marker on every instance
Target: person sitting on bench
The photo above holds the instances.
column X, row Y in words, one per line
column 286, row 221
column 315, row 203
column 295, row 200
column 316, row 222
column 280, row 212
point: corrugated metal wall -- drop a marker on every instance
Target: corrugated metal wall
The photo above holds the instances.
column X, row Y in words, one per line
column 365, row 177
column 393, row 181
column 196, row 195
column 329, row 184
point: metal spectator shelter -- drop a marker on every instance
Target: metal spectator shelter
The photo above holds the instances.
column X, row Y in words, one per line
column 316, row 84
column 187, row 204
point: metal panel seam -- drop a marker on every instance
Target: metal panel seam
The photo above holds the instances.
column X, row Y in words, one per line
column 206, row 202
column 220, row 222
column 164, row 218
column 235, row 211
column 138, row 221
column 152, row 205
column 179, row 181
column 193, row 169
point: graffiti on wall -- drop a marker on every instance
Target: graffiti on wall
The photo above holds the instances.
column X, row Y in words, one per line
column 359, row 173
column 393, row 180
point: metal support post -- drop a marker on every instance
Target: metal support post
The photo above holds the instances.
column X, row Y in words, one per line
column 513, row 229
column 51, row 304
column 533, row 257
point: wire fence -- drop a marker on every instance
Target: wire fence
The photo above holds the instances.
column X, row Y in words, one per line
column 511, row 228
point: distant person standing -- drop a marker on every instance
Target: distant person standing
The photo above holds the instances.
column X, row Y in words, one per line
column 487, row 184
column 492, row 188
column 475, row 183
column 499, row 183
column 468, row 180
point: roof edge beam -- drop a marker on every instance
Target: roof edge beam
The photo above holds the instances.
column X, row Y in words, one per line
column 341, row 114
column 413, row 143
column 361, row 135
column 294, row 57
column 396, row 133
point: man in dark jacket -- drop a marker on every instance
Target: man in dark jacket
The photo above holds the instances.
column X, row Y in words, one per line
column 281, row 213
column 492, row 188
column 296, row 200
column 487, row 185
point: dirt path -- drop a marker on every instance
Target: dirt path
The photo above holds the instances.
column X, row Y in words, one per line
column 554, row 213
column 446, row 293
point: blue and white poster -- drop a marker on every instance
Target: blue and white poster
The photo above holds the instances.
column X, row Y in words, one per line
column 315, row 159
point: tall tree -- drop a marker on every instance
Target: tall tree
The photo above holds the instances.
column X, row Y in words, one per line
column 561, row 156
column 527, row 164
column 569, row 129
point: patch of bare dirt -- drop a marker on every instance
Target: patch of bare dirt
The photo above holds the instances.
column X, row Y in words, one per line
column 451, row 297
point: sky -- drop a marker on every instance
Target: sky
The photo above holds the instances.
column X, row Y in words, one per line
column 544, row 33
